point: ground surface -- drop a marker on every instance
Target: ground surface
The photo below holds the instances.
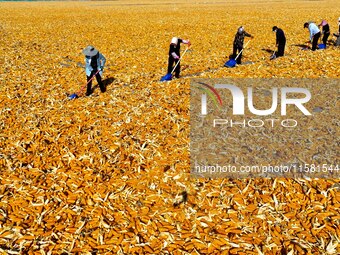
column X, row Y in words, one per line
column 110, row 173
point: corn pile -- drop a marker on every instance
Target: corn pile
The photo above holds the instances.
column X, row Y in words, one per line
column 110, row 173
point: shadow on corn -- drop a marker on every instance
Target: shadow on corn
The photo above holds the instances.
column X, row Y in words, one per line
column 106, row 82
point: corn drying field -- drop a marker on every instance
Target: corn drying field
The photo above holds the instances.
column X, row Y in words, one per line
column 110, row 173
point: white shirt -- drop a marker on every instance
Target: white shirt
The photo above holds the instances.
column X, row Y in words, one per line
column 313, row 30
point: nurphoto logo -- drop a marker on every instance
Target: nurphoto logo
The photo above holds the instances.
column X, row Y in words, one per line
column 238, row 107
column 271, row 127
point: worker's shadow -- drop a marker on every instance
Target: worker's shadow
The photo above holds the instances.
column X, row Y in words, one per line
column 106, row 83
column 269, row 51
column 302, row 46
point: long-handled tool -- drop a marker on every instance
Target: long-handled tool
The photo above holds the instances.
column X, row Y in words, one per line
column 168, row 77
column 272, row 57
column 232, row 62
column 322, row 46
column 75, row 95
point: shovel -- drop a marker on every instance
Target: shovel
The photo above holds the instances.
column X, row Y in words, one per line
column 75, row 95
column 322, row 46
column 272, row 57
column 232, row 62
column 168, row 77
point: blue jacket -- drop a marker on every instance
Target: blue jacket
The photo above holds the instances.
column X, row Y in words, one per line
column 100, row 64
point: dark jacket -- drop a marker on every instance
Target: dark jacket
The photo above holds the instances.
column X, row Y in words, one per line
column 325, row 29
column 239, row 38
column 175, row 48
column 280, row 36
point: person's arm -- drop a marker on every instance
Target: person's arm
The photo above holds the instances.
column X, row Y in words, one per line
column 327, row 30
column 247, row 34
column 174, row 55
column 102, row 61
column 88, row 68
column 280, row 36
column 310, row 33
column 186, row 42
column 235, row 39
column 172, row 51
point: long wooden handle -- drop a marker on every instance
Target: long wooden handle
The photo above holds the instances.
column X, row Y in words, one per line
column 242, row 49
column 82, row 88
column 179, row 59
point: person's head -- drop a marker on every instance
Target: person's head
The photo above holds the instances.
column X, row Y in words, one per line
column 306, row 25
column 240, row 30
column 90, row 51
column 174, row 41
column 274, row 28
column 339, row 20
column 323, row 23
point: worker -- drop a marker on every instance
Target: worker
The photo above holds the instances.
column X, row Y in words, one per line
column 174, row 54
column 280, row 41
column 238, row 43
column 325, row 31
column 94, row 66
column 314, row 32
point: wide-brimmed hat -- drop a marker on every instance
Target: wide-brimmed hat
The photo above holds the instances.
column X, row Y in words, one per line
column 90, row 51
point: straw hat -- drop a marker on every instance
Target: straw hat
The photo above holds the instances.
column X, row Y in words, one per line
column 90, row 51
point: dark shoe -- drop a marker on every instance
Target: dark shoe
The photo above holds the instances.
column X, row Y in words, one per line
column 177, row 76
column 88, row 93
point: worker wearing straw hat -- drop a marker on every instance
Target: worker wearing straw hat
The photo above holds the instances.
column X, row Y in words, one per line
column 314, row 32
column 174, row 54
column 94, row 65
column 325, row 31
